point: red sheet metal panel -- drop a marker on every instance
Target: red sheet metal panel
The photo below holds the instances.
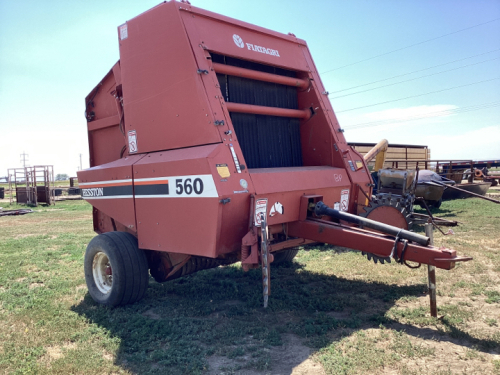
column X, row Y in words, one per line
column 108, row 188
column 235, row 38
column 177, row 202
column 101, row 101
column 284, row 207
column 107, row 144
column 283, row 187
column 162, row 91
column 105, row 139
column 275, row 180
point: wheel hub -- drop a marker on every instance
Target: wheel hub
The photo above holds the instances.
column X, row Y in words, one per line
column 102, row 272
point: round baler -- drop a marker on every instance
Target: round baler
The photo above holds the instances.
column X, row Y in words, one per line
column 212, row 141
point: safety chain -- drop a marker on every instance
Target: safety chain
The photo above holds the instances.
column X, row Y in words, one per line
column 394, row 253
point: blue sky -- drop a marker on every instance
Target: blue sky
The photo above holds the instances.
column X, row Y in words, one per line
column 52, row 53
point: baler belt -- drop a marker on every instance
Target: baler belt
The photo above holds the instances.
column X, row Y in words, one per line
column 267, row 140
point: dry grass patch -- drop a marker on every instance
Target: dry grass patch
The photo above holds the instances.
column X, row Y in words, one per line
column 55, row 352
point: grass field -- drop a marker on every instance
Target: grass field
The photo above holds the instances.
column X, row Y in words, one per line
column 331, row 311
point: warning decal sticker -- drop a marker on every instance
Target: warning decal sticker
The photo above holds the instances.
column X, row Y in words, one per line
column 132, row 142
column 123, row 31
column 260, row 208
column 223, row 170
column 344, row 200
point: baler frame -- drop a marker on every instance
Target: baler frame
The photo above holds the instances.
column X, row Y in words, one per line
column 235, row 127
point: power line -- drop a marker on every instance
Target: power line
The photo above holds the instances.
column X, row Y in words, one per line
column 415, row 71
column 411, row 45
column 416, row 96
column 424, row 115
column 414, row 118
column 413, row 79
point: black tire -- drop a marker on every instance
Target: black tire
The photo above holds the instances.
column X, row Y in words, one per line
column 437, row 204
column 118, row 254
column 285, row 256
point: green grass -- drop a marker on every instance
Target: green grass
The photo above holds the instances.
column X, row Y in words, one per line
column 352, row 315
column 63, row 183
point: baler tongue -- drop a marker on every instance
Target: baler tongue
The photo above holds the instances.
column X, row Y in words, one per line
column 402, row 246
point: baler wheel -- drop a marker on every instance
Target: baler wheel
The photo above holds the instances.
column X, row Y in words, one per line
column 285, row 256
column 116, row 270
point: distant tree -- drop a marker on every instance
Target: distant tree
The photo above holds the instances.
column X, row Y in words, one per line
column 62, row 177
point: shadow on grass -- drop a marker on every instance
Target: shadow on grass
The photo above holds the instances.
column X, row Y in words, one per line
column 218, row 313
column 439, row 212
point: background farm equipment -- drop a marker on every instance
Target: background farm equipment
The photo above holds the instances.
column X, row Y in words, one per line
column 483, row 174
column 226, row 150
column 31, row 185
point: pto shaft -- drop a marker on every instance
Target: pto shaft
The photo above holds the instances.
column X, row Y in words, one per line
column 322, row 209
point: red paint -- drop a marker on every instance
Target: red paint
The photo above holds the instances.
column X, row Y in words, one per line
column 260, row 76
column 304, row 114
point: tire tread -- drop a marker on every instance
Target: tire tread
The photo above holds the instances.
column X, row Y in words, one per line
column 285, row 256
column 130, row 268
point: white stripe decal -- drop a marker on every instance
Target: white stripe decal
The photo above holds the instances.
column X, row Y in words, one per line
column 151, row 179
column 191, row 186
column 109, row 197
column 169, row 196
column 104, row 182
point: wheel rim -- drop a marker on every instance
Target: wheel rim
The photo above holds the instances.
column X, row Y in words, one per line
column 102, row 272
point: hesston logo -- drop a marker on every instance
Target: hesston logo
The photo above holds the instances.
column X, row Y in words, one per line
column 252, row 47
column 93, row 192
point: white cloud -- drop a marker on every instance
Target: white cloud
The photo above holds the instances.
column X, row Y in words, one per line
column 395, row 117
column 477, row 144
column 419, row 125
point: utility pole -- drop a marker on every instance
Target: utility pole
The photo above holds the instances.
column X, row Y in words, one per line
column 23, row 159
column 80, row 162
